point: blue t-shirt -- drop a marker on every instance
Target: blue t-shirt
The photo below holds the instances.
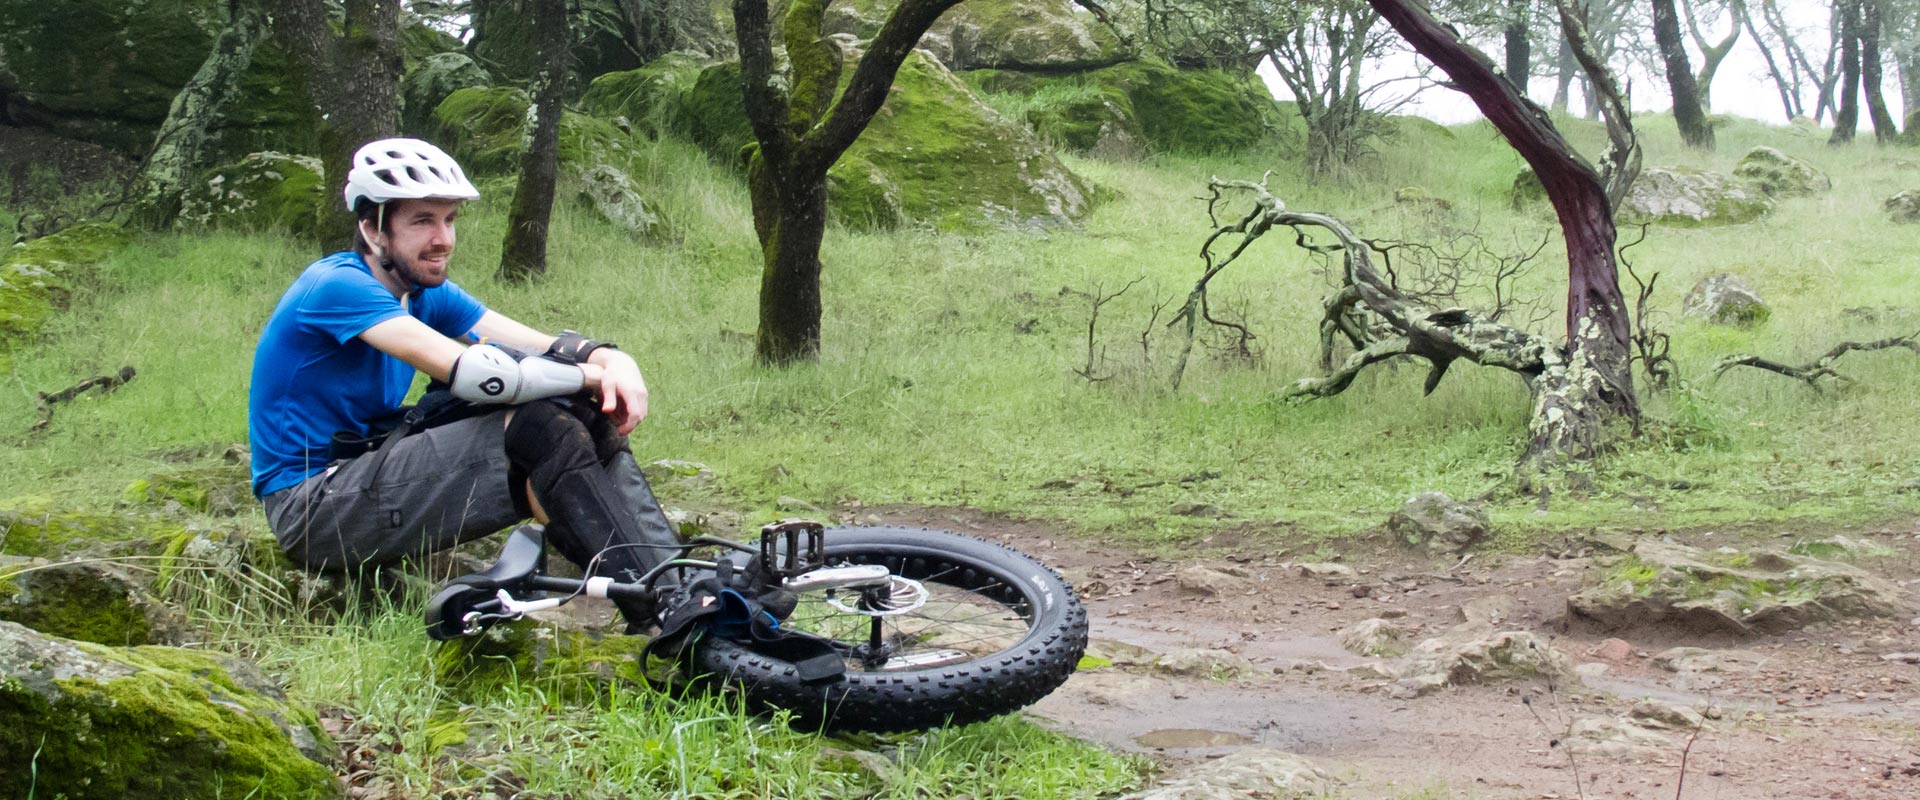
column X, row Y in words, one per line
column 312, row 376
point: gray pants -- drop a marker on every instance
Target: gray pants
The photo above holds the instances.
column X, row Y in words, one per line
column 438, row 488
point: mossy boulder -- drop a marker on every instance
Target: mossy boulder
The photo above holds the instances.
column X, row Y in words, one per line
column 223, row 488
column 91, row 601
column 1780, row 175
column 554, row 652
column 1724, row 298
column 1037, row 35
column 1686, row 197
column 1732, row 591
column 159, row 722
column 649, row 97
column 935, row 155
column 952, row 162
column 1467, row 655
column 37, row 278
column 1434, row 522
column 1527, row 189
column 429, row 81
column 1903, row 208
column 617, row 199
column 105, row 71
column 262, row 191
column 1172, row 110
column 488, row 128
column 29, row 529
column 1095, row 119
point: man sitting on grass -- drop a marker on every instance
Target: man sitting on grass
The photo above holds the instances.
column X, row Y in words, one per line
column 339, row 353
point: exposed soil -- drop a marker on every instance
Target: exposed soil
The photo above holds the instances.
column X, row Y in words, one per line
column 1820, row 713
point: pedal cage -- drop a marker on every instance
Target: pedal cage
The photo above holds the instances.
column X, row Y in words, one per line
column 790, row 547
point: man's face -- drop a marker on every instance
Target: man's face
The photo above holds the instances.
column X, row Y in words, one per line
column 420, row 238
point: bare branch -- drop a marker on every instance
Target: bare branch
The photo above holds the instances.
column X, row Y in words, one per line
column 1821, row 367
column 105, row 383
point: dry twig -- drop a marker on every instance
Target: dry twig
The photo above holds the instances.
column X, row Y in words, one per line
column 105, row 383
column 1821, row 367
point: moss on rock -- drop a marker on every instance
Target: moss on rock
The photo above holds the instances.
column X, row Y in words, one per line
column 487, row 129
column 105, row 71
column 41, row 533
column 650, row 97
column 1686, row 197
column 221, row 488
column 1731, row 591
column 574, row 662
column 1172, row 110
column 101, row 722
column 88, row 601
column 37, row 278
column 428, row 82
column 263, row 191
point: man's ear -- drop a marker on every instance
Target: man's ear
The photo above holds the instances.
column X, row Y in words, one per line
column 374, row 238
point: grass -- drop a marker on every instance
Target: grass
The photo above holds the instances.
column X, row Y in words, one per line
column 947, row 375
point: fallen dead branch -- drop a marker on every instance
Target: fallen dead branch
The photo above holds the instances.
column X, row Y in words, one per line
column 1822, row 367
column 105, row 383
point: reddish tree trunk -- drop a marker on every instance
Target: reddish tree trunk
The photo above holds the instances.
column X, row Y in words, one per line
column 1570, row 409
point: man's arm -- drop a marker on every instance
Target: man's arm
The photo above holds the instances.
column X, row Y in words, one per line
column 623, row 392
column 412, row 341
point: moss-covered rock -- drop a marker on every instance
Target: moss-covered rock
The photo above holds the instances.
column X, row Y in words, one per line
column 650, row 97
column 37, row 278
column 935, row 154
column 428, row 82
column 32, row 529
column 1724, row 298
column 1172, row 110
column 105, row 71
column 1904, row 207
column 1527, row 189
column 487, row 129
column 1037, row 35
column 1731, row 591
column 1686, row 197
column 554, row 654
column 160, row 722
column 262, row 191
column 222, row 488
column 1780, row 175
column 1198, row 111
column 91, row 601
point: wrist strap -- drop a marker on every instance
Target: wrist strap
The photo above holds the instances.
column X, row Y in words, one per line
column 571, row 348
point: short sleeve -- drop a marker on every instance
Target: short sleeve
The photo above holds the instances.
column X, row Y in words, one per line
column 345, row 303
column 450, row 310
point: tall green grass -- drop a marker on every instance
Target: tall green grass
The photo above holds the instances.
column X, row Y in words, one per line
column 948, row 377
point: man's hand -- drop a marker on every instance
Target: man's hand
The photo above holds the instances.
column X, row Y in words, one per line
column 623, row 393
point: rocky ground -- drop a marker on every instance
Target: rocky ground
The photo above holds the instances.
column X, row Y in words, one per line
column 1217, row 660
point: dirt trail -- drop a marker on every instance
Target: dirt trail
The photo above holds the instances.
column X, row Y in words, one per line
column 1818, row 713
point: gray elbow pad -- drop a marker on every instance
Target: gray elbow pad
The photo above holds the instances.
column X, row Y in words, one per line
column 486, row 375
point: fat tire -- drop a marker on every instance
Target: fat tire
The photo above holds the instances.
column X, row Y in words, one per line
column 910, row 700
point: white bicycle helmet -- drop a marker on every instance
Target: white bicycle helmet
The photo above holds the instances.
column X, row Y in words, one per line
column 405, row 169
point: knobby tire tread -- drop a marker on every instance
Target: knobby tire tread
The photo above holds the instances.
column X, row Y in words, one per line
column 920, row 699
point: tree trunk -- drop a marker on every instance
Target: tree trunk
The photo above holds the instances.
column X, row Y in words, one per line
column 1695, row 131
column 1846, row 115
column 1519, row 50
column 352, row 80
column 1711, row 53
column 1788, row 102
column 179, row 150
column 523, row 256
column 1595, row 385
column 1563, row 78
column 1872, row 14
column 800, row 129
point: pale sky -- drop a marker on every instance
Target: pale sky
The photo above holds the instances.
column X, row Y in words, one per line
column 1741, row 86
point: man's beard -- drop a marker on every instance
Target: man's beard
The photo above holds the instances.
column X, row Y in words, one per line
column 416, row 275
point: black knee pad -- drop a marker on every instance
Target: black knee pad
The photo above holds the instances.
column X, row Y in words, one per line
column 544, row 439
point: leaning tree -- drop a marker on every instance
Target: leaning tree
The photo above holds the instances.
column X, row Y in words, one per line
column 802, row 122
column 1581, row 385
